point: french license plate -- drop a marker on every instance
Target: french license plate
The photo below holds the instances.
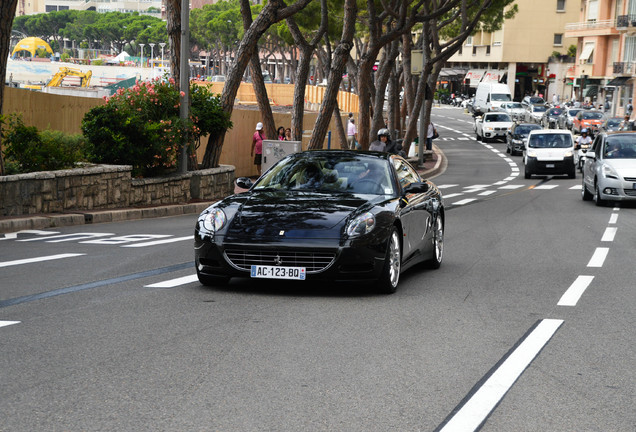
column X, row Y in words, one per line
column 277, row 272
column 549, row 165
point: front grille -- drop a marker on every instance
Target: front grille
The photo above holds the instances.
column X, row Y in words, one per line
column 630, row 179
column 630, row 192
column 312, row 261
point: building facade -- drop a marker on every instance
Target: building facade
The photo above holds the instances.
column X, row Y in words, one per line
column 606, row 52
column 523, row 53
column 29, row 7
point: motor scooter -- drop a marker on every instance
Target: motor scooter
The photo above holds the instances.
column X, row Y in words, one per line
column 580, row 150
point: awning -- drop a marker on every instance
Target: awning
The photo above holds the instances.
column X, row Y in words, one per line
column 492, row 76
column 474, row 76
column 587, row 52
column 618, row 81
column 591, row 91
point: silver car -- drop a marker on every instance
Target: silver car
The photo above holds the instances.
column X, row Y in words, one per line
column 514, row 109
column 609, row 172
column 566, row 117
column 534, row 113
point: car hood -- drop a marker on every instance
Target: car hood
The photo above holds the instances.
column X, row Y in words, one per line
column 294, row 215
column 626, row 168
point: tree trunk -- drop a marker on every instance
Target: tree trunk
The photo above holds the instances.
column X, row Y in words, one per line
column 338, row 66
column 272, row 12
column 7, row 13
column 173, row 14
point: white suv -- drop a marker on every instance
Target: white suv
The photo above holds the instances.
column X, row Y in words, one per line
column 549, row 151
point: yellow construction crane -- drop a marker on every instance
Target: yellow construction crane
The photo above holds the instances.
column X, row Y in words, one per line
column 56, row 81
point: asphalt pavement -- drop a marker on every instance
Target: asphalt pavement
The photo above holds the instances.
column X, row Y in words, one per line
column 433, row 165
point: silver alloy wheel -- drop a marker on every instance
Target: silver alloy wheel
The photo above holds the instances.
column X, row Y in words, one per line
column 394, row 259
column 439, row 240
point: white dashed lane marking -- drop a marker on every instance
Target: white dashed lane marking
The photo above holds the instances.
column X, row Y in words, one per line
column 609, row 234
column 8, row 323
column 174, row 282
column 613, row 218
column 598, row 258
column 38, row 259
column 576, row 290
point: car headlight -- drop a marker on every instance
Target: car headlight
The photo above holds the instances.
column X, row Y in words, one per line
column 361, row 225
column 532, row 153
column 488, row 128
column 609, row 172
column 213, row 221
column 569, row 153
column 517, row 141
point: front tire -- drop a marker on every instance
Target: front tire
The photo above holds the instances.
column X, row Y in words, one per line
column 526, row 173
column 585, row 194
column 388, row 282
column 597, row 197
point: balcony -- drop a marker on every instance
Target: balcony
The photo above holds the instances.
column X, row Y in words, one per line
column 592, row 28
column 626, row 23
column 624, row 68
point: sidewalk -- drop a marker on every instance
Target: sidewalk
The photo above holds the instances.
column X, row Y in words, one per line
column 433, row 166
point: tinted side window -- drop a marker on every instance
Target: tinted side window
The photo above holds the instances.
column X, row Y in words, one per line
column 596, row 145
column 405, row 174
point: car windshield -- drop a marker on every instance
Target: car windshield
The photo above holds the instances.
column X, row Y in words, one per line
column 498, row 118
column 515, row 105
column 620, row 147
column 504, row 97
column 330, row 173
column 614, row 122
column 556, row 111
column 550, row 141
column 525, row 129
column 592, row 115
column 536, row 100
column 538, row 108
column 573, row 112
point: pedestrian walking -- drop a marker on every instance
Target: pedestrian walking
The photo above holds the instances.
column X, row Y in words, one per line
column 352, row 134
column 257, row 146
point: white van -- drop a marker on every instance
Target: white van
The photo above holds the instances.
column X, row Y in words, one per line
column 490, row 96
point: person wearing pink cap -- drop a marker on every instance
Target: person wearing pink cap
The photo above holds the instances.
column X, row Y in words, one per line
column 257, row 146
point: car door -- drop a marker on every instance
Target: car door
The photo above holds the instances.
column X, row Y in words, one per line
column 589, row 167
column 416, row 215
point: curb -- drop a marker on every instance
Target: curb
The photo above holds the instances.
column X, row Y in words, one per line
column 43, row 221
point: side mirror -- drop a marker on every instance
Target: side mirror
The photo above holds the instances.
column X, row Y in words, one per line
column 418, row 187
column 590, row 155
column 244, row 182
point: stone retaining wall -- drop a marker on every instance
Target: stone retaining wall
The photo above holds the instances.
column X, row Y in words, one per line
column 107, row 187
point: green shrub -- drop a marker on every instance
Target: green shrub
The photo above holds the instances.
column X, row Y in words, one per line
column 27, row 150
column 141, row 126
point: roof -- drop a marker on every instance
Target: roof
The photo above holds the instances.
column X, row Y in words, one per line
column 32, row 44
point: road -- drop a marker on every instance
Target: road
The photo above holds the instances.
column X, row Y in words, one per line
column 527, row 326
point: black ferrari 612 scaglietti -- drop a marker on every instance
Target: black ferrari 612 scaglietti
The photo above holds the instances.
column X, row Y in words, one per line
column 336, row 215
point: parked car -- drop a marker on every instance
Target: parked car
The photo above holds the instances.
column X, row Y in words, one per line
column 217, row 78
column 532, row 100
column 549, row 151
column 550, row 119
column 609, row 172
column 514, row 109
column 566, row 118
column 534, row 113
column 517, row 137
column 336, row 215
column 588, row 119
column 611, row 124
column 492, row 125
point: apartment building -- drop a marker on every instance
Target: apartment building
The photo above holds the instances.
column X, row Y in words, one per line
column 521, row 53
column 28, row 7
column 606, row 52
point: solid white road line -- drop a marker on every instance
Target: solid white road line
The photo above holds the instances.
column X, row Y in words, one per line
column 609, row 234
column 613, row 218
column 444, row 186
column 598, row 258
column 38, row 259
column 465, row 201
column 511, row 186
column 576, row 290
column 546, row 186
column 158, row 242
column 174, row 282
column 477, row 186
column 8, row 323
column 480, row 405
column 490, row 192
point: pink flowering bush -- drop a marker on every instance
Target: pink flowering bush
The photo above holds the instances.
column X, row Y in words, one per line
column 140, row 126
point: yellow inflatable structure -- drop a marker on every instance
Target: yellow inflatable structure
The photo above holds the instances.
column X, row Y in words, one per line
column 32, row 44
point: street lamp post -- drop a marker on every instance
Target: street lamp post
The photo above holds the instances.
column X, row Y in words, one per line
column 152, row 54
column 162, row 44
column 142, row 54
